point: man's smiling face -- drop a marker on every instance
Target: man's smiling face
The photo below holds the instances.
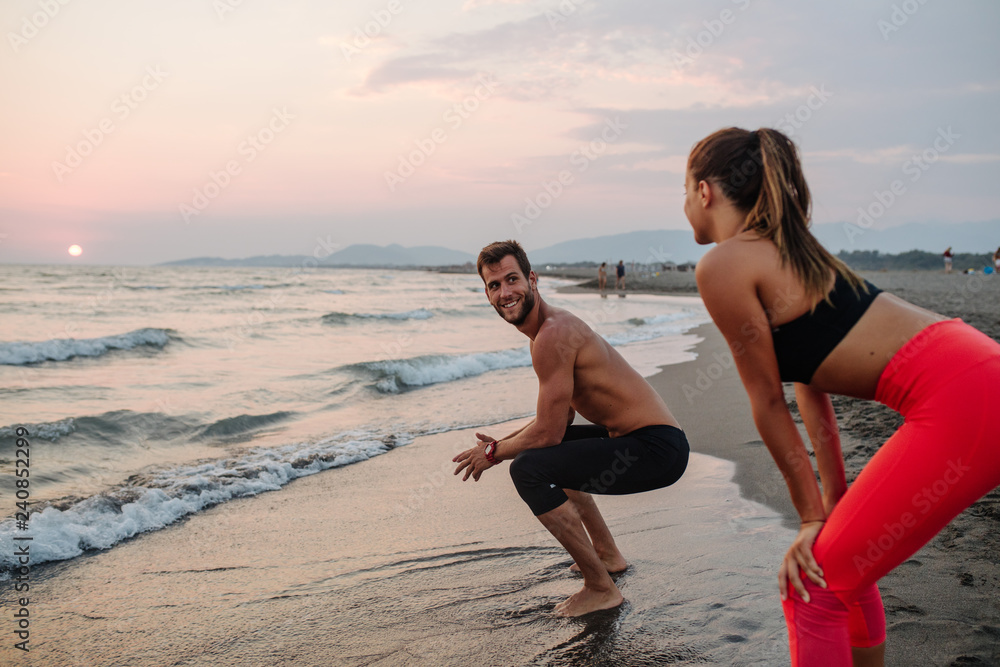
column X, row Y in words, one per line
column 510, row 291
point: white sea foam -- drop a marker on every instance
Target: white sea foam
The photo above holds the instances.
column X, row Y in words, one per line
column 394, row 375
column 45, row 431
column 153, row 501
column 658, row 326
column 61, row 349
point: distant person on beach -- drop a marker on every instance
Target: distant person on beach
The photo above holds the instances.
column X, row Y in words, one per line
column 620, row 283
column 996, row 261
column 947, row 260
column 792, row 312
column 602, row 277
column 633, row 443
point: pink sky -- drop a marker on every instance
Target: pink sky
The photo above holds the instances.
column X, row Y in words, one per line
column 148, row 132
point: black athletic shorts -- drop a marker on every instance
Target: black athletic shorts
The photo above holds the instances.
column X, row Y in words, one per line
column 588, row 459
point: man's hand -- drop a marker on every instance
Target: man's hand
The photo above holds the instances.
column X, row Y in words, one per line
column 474, row 460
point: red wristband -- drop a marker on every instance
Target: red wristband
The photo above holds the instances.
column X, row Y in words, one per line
column 488, row 452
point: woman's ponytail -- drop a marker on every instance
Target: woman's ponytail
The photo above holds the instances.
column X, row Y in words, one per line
column 761, row 174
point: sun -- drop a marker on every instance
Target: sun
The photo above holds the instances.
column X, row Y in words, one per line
column 75, row 250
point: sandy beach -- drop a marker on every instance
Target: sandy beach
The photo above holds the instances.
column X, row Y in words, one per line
column 396, row 562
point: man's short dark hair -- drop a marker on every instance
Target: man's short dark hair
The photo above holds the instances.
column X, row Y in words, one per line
column 496, row 251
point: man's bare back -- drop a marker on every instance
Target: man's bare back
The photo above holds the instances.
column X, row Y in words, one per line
column 606, row 389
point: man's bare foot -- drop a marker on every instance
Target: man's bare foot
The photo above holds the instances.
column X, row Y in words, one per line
column 586, row 600
column 613, row 564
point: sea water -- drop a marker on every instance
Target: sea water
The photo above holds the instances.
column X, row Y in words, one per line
column 149, row 394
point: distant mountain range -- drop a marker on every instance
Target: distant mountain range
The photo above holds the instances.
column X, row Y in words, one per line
column 362, row 254
column 656, row 246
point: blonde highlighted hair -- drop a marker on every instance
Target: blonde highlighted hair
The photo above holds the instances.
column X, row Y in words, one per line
column 761, row 174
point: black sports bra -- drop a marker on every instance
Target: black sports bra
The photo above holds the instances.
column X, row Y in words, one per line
column 802, row 344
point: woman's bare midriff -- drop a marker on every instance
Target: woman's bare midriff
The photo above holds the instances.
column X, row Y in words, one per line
column 854, row 367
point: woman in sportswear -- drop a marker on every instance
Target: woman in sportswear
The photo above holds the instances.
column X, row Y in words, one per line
column 792, row 312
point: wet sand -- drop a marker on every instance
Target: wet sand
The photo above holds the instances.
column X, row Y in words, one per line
column 397, row 562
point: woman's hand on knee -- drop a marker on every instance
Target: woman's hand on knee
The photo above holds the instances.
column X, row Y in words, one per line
column 799, row 560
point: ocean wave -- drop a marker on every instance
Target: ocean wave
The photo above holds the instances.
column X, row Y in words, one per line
column 657, row 326
column 46, row 431
column 242, row 424
column 118, row 427
column 150, row 502
column 110, row 429
column 61, row 349
column 393, row 376
column 344, row 318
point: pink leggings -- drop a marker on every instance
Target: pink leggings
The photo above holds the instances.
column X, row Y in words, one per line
column 942, row 459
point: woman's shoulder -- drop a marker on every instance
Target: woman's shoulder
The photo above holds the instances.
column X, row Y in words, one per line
column 741, row 256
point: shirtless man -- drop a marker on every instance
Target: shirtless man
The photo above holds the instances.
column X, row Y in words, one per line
column 638, row 445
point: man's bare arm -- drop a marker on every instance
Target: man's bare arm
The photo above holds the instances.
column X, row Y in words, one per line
column 553, row 358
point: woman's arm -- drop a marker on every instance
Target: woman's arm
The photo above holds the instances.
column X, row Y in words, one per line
column 728, row 288
column 731, row 299
column 821, row 424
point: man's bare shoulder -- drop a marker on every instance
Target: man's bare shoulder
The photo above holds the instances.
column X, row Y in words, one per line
column 562, row 327
column 560, row 339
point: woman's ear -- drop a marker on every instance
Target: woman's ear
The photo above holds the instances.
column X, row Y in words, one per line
column 705, row 194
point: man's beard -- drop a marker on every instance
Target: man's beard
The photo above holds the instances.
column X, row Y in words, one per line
column 527, row 305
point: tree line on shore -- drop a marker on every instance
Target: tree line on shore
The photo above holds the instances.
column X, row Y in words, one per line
column 873, row 260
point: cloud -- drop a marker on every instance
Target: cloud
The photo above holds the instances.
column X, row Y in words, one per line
column 414, row 69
